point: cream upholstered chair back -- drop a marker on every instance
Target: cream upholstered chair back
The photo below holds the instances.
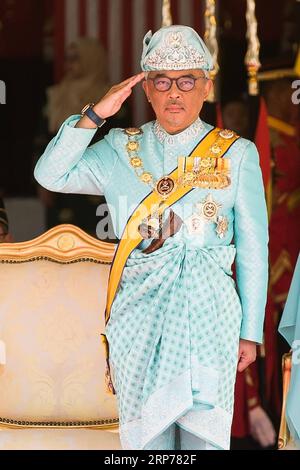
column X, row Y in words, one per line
column 52, row 362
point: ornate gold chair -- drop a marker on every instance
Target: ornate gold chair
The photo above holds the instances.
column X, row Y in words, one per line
column 52, row 362
column 285, row 440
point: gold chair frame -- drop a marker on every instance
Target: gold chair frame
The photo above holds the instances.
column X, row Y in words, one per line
column 284, row 434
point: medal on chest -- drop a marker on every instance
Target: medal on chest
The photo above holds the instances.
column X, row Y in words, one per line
column 209, row 171
column 204, row 172
column 207, row 211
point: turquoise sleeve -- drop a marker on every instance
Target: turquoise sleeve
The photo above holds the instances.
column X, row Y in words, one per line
column 69, row 165
column 251, row 240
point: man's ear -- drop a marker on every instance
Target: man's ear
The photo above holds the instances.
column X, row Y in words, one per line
column 208, row 87
column 146, row 89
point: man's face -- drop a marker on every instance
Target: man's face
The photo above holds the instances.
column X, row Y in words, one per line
column 176, row 109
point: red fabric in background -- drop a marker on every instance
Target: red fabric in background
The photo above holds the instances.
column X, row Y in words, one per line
column 21, row 28
column 240, row 422
column 219, row 116
column 285, row 223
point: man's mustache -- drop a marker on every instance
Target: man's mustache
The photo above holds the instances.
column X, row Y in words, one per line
column 175, row 103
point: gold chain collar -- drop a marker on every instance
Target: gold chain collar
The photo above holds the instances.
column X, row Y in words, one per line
column 163, row 186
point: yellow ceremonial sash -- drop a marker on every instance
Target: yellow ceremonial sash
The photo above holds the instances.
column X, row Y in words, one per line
column 131, row 237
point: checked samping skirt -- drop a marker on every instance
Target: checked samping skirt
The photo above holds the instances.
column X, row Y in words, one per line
column 173, row 338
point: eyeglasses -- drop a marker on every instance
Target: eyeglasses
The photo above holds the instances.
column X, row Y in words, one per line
column 183, row 83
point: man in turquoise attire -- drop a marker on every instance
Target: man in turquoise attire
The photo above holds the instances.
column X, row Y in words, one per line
column 177, row 326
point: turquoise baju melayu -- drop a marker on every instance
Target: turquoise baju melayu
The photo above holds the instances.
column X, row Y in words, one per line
column 178, row 315
column 289, row 327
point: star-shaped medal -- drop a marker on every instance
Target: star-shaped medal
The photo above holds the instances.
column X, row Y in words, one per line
column 222, row 226
column 208, row 209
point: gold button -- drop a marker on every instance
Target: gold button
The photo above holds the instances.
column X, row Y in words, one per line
column 132, row 146
column 136, row 162
column 146, row 177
